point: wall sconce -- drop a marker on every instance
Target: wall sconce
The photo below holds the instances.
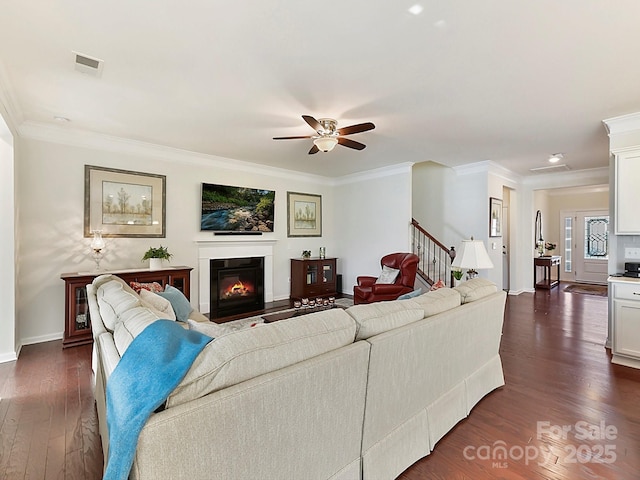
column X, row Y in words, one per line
column 97, row 245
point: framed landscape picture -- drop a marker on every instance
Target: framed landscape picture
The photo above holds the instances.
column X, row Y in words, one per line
column 304, row 215
column 122, row 203
column 495, row 217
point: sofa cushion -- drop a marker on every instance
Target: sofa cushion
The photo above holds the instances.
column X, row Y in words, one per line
column 114, row 299
column 215, row 330
column 131, row 324
column 438, row 301
column 157, row 303
column 475, row 289
column 179, row 302
column 248, row 353
column 378, row 317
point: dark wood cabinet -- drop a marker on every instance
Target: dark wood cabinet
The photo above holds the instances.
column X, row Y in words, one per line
column 77, row 327
column 313, row 277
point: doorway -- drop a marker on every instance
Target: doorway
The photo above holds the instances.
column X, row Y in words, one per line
column 585, row 241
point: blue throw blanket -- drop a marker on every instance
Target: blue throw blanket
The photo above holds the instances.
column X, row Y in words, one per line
column 152, row 366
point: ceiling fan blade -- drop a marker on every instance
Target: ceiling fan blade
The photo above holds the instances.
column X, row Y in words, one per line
column 313, row 123
column 347, row 142
column 361, row 127
column 291, row 138
column 313, row 150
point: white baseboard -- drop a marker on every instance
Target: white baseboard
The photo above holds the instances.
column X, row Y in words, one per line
column 42, row 338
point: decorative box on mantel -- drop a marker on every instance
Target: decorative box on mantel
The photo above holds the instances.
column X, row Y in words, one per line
column 238, row 248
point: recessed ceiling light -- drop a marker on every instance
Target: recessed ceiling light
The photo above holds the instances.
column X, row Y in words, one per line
column 555, row 158
column 60, row 119
column 416, row 9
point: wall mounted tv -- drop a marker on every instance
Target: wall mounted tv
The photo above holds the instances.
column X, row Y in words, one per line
column 228, row 209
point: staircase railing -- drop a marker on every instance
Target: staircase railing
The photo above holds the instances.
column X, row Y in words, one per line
column 435, row 258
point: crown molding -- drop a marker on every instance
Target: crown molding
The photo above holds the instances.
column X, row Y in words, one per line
column 490, row 167
column 622, row 124
column 9, row 107
column 382, row 172
column 571, row 178
column 97, row 141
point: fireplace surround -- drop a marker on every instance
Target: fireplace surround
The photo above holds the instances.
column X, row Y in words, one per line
column 240, row 248
column 236, row 286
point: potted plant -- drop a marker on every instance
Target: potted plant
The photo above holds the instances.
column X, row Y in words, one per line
column 156, row 256
column 457, row 275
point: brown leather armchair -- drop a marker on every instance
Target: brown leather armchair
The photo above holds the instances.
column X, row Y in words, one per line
column 368, row 291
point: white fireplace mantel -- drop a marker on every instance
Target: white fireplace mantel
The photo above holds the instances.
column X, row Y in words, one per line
column 214, row 249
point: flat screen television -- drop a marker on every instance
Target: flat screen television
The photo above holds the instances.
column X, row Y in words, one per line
column 226, row 208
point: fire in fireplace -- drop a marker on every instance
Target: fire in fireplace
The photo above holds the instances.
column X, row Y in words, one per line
column 237, row 286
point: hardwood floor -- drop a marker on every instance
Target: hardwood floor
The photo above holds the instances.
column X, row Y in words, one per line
column 556, row 371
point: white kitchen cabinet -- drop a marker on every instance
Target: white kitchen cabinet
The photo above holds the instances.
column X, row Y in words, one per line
column 624, row 299
column 627, row 193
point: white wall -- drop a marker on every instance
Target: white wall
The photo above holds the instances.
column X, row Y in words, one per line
column 453, row 204
column 51, row 193
column 373, row 214
column 50, row 190
column 8, row 345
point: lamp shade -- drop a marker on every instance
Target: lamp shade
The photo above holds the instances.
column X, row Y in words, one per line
column 472, row 255
column 97, row 243
column 326, row 144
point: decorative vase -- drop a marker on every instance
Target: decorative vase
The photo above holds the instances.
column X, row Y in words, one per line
column 155, row 264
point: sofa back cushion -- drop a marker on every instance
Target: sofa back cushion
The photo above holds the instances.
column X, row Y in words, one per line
column 248, row 353
column 476, row 289
column 438, row 301
column 131, row 324
column 114, row 298
column 374, row 318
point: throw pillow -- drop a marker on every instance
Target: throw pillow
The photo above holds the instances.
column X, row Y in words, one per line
column 388, row 275
column 415, row 293
column 154, row 287
column 179, row 302
column 158, row 303
column 437, row 285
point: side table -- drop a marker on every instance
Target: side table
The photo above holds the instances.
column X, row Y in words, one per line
column 546, row 263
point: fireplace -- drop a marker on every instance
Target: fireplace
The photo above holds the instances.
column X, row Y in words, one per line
column 237, row 286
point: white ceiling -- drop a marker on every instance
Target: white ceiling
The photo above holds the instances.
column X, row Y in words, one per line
column 464, row 81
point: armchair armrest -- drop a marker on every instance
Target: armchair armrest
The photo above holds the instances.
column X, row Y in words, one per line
column 387, row 289
column 365, row 281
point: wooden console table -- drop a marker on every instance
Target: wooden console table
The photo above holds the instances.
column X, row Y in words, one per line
column 547, row 263
column 77, row 324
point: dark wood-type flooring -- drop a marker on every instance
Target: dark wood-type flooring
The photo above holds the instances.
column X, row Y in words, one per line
column 557, row 373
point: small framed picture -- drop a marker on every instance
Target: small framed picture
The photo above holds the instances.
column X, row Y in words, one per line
column 121, row 203
column 304, row 215
column 495, row 217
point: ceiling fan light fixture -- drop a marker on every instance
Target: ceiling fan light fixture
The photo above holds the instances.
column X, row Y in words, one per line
column 325, row 144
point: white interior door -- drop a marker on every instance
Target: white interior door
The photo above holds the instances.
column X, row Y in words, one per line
column 591, row 254
column 505, row 248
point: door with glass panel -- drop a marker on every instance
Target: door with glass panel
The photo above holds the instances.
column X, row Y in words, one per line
column 586, row 245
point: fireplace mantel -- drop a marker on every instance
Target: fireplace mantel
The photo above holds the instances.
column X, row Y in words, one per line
column 237, row 248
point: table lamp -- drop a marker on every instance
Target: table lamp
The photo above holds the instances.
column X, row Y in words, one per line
column 472, row 256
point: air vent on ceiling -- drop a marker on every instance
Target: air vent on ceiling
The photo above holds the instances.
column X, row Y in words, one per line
column 89, row 65
column 550, row 168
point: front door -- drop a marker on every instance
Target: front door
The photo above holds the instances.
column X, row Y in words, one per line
column 586, row 241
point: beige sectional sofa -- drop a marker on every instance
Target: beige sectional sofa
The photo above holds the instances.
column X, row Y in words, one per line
column 360, row 393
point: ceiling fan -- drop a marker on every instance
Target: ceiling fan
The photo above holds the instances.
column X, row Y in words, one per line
column 328, row 135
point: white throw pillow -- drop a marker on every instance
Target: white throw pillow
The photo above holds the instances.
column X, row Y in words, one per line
column 157, row 303
column 388, row 275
